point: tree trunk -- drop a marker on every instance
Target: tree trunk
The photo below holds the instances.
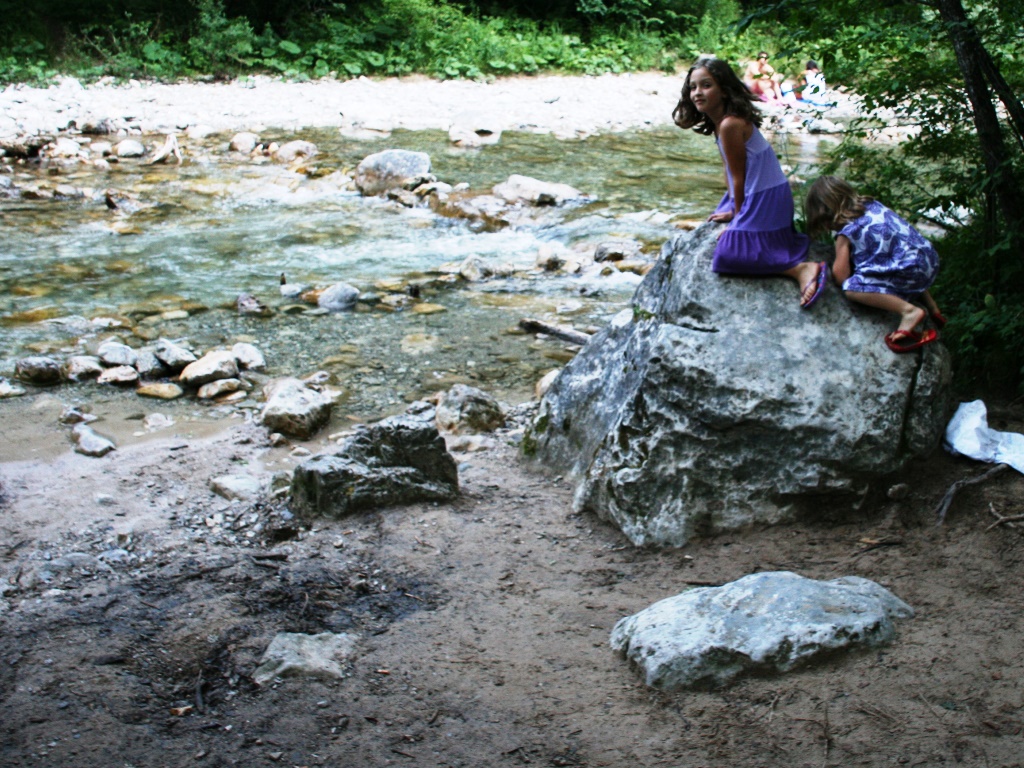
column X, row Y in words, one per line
column 971, row 57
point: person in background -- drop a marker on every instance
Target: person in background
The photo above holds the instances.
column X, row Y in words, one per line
column 760, row 79
column 812, row 88
column 759, row 238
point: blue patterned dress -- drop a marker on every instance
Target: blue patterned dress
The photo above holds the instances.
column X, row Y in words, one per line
column 888, row 255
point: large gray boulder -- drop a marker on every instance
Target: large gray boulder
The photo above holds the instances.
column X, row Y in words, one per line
column 293, row 408
column 717, row 402
column 398, row 460
column 763, row 623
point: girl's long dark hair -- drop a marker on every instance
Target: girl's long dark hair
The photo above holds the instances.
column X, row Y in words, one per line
column 738, row 101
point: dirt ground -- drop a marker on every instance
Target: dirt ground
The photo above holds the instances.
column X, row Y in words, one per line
column 482, row 624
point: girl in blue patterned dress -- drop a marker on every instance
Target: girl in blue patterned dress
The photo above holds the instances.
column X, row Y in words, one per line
column 881, row 260
column 759, row 238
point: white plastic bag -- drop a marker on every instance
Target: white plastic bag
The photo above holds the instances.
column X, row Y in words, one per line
column 968, row 434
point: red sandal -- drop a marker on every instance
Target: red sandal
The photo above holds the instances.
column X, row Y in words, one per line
column 908, row 341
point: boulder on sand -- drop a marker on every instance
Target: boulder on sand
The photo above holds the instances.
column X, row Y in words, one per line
column 717, row 402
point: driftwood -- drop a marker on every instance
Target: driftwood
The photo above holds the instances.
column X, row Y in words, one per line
column 168, row 150
column 563, row 332
column 947, row 500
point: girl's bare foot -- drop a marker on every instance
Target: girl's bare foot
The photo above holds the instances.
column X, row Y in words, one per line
column 911, row 317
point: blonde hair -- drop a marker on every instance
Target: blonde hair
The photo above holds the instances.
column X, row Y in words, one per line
column 831, row 204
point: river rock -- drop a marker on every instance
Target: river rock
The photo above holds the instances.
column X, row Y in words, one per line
column 64, row 147
column 217, row 388
column 763, row 623
column 392, row 168
column 295, row 409
column 717, row 402
column 237, row 487
column 174, row 356
column 7, row 389
column 248, row 356
column 122, row 375
column 38, row 370
column 129, row 148
column 291, row 654
column 160, row 390
column 399, row 460
column 291, row 151
column 617, row 250
column 244, row 142
column 89, row 443
column 218, row 364
column 340, row 297
column 247, row 304
column 526, row 189
column 148, row 364
column 82, row 367
column 116, row 353
column 468, row 410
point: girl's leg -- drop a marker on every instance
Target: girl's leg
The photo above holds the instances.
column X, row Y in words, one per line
column 910, row 315
column 929, row 302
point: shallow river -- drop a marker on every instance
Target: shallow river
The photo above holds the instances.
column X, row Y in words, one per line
column 218, row 226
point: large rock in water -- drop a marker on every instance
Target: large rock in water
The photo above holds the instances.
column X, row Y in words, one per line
column 717, row 402
column 392, row 168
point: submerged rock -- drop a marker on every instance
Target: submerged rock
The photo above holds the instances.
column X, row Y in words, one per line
column 390, row 169
column 526, row 189
column 717, row 402
column 765, row 622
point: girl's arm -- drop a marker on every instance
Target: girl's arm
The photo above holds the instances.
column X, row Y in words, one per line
column 732, row 133
column 842, row 268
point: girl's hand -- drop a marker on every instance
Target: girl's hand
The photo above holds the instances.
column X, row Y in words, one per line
column 725, row 216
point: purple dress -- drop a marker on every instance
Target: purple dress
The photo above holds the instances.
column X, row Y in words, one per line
column 760, row 239
column 888, row 255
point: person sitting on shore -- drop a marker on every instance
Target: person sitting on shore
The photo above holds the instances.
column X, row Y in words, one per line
column 812, row 88
column 759, row 77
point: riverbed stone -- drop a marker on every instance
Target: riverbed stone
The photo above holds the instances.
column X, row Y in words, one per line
column 244, row 142
column 129, row 148
column 90, row 443
column 174, row 356
column 116, row 353
column 716, row 403
column 390, row 169
column 291, row 654
column 7, row 389
column 248, row 356
column 519, row 188
column 291, row 151
column 82, row 367
column 466, row 410
column 160, row 390
column 295, row 409
column 217, row 388
column 764, row 623
column 39, row 370
column 218, row 364
column 237, row 487
column 340, row 297
column 121, row 375
column 398, row 460
column 148, row 364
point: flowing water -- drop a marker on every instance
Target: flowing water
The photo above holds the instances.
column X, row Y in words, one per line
column 73, row 272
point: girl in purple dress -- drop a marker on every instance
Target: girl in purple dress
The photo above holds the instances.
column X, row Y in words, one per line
column 881, row 260
column 759, row 238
